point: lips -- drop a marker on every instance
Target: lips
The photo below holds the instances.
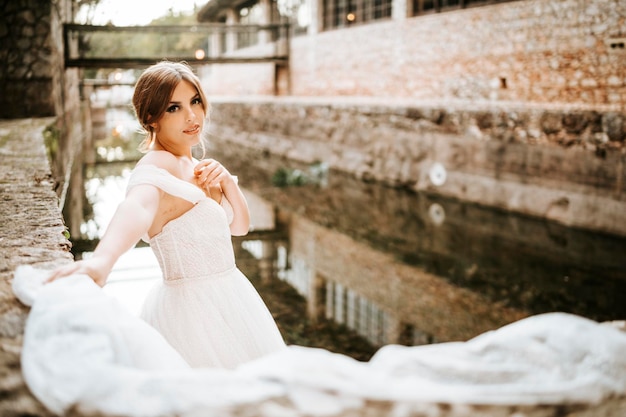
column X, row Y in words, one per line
column 193, row 130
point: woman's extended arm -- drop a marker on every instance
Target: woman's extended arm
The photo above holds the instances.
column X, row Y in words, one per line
column 130, row 222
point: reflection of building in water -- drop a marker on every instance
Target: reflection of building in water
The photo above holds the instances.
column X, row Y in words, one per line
column 410, row 269
column 368, row 291
column 324, row 297
column 346, row 306
column 384, row 299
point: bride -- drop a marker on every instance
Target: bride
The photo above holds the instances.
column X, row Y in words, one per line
column 187, row 210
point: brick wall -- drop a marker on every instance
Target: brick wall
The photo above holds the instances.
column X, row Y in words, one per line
column 533, row 51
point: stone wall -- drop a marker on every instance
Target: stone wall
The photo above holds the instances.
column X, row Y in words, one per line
column 37, row 155
column 31, row 75
column 531, row 51
column 31, row 232
column 566, row 166
column 34, row 81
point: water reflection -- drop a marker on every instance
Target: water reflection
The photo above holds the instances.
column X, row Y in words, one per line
column 391, row 265
column 437, row 269
column 117, row 131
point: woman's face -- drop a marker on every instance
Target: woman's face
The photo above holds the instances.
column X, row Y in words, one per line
column 181, row 125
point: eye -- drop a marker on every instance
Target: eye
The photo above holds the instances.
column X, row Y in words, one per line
column 172, row 109
column 196, row 100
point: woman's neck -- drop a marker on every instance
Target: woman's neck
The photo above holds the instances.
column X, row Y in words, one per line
column 179, row 152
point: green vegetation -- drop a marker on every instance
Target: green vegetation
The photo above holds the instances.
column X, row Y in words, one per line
column 284, row 177
column 51, row 137
column 315, row 174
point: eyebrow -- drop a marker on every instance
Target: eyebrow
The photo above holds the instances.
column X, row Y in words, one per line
column 178, row 102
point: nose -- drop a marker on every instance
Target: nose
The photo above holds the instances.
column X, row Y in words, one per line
column 191, row 115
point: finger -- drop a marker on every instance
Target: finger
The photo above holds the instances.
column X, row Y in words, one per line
column 61, row 272
column 221, row 176
column 212, row 173
column 201, row 166
column 218, row 178
column 207, row 169
column 54, row 276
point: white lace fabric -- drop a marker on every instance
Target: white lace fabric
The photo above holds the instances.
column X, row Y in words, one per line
column 196, row 244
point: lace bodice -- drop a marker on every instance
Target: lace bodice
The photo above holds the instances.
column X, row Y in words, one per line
column 198, row 243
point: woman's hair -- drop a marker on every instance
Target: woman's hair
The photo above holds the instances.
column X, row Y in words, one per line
column 154, row 90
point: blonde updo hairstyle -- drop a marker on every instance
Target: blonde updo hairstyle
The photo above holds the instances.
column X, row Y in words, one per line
column 153, row 92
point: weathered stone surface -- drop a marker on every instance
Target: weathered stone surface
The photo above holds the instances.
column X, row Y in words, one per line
column 563, row 165
column 34, row 80
column 31, row 233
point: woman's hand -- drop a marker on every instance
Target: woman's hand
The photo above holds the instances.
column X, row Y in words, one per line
column 210, row 172
column 97, row 269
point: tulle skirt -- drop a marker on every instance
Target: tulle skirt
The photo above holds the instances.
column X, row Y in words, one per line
column 218, row 321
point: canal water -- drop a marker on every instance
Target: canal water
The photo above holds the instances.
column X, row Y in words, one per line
column 351, row 266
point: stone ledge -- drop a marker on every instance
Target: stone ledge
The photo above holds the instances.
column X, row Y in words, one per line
column 384, row 103
column 31, row 233
column 573, row 158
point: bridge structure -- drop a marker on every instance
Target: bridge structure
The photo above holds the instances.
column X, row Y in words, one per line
column 136, row 47
column 205, row 43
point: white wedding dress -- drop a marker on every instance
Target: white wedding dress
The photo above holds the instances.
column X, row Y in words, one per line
column 205, row 307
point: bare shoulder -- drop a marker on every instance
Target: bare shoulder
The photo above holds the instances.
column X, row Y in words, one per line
column 161, row 159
